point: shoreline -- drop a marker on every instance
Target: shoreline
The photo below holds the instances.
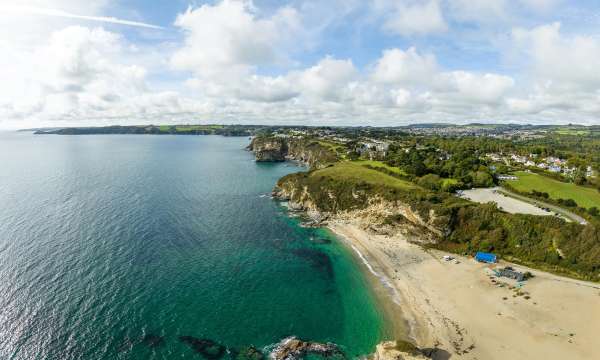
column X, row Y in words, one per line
column 394, row 324
column 461, row 310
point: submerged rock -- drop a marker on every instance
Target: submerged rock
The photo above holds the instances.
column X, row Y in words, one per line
column 249, row 353
column 211, row 350
column 318, row 260
column 292, row 348
column 153, row 341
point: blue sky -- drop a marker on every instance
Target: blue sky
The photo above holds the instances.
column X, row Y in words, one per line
column 340, row 62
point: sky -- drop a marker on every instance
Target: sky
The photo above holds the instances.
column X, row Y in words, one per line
column 298, row 62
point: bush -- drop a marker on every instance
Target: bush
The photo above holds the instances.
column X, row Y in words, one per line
column 482, row 179
column 430, row 181
column 567, row 202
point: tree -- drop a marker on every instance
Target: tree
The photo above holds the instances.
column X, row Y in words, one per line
column 482, row 179
column 430, row 181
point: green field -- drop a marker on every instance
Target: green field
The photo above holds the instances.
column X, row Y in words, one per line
column 355, row 171
column 381, row 164
column 188, row 128
column 583, row 196
column 572, row 132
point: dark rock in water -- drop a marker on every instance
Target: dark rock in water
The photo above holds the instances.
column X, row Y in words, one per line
column 318, row 259
column 211, row 350
column 249, row 353
column 320, row 240
column 153, row 341
column 293, row 348
column 126, row 345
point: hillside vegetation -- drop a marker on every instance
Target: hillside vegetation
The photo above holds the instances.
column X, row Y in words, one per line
column 465, row 227
column 584, row 196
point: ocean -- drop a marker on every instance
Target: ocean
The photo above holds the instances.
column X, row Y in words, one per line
column 144, row 247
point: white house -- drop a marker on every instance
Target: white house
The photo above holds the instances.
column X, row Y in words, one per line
column 554, row 168
column 589, row 172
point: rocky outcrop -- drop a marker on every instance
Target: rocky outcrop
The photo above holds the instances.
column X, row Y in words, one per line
column 274, row 149
column 293, row 348
column 393, row 350
column 269, row 149
column 371, row 212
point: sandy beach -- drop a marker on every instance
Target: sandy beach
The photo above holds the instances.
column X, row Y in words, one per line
column 461, row 308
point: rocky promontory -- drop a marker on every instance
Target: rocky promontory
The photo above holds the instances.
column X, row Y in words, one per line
column 269, row 148
column 293, row 348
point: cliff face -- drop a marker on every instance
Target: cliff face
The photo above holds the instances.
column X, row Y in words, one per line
column 271, row 149
column 365, row 208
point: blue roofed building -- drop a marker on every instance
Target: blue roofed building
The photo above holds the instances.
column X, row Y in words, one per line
column 486, row 257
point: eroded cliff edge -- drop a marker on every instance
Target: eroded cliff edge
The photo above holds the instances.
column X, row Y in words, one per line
column 382, row 210
column 274, row 149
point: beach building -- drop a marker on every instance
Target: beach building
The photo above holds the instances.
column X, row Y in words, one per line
column 510, row 273
column 486, row 257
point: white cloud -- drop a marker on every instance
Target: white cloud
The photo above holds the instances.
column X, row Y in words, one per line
column 484, row 88
column 557, row 61
column 409, row 67
column 479, row 11
column 79, row 71
column 228, row 39
column 325, row 79
column 245, row 64
column 407, row 17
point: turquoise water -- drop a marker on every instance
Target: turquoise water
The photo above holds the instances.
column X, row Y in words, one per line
column 112, row 247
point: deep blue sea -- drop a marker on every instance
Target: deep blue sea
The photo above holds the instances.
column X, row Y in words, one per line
column 116, row 246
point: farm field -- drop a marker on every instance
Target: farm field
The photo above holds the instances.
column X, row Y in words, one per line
column 583, row 196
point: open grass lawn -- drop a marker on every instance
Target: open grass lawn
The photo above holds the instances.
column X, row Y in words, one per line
column 355, row 171
column 448, row 182
column 331, row 145
column 583, row 196
column 381, row 164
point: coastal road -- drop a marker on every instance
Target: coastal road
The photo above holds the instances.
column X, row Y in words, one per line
column 566, row 213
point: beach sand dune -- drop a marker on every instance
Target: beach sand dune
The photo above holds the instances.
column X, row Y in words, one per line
column 462, row 309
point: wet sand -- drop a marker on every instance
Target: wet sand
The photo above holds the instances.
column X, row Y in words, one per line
column 462, row 309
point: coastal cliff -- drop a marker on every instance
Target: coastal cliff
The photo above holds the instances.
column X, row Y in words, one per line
column 391, row 205
column 372, row 207
column 274, row 149
column 269, row 148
